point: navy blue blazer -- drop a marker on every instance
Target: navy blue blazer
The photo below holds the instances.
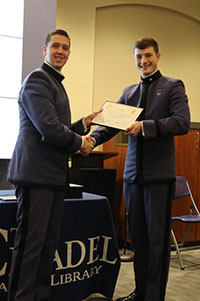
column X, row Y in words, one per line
column 166, row 115
column 46, row 135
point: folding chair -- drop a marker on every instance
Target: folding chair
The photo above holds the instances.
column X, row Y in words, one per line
column 183, row 190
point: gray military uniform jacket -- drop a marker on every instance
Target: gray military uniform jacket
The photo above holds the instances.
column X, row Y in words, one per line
column 46, row 135
column 166, row 115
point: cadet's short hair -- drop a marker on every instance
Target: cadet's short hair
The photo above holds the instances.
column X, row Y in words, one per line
column 146, row 42
column 56, row 31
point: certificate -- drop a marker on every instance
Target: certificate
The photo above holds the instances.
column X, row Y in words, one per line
column 117, row 115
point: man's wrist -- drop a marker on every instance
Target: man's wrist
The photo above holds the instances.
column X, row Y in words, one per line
column 84, row 125
column 143, row 133
column 82, row 143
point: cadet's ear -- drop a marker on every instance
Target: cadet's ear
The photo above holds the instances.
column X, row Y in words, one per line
column 44, row 50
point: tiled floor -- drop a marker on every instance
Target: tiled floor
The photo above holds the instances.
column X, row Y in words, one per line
column 183, row 285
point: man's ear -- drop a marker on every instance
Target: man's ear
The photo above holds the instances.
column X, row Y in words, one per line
column 44, row 50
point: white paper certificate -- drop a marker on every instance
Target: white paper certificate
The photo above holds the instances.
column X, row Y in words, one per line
column 117, row 115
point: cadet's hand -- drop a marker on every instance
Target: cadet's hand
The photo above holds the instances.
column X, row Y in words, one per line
column 88, row 119
column 134, row 129
column 88, row 145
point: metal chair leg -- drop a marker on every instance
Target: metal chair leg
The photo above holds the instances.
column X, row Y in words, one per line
column 177, row 250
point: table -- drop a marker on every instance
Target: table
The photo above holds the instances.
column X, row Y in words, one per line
column 86, row 260
column 89, row 171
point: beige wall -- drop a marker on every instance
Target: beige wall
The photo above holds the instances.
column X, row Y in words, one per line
column 103, row 34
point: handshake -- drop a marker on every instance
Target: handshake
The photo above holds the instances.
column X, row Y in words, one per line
column 88, row 142
column 88, row 145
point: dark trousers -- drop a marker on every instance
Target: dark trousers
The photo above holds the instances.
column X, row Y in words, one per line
column 39, row 219
column 149, row 218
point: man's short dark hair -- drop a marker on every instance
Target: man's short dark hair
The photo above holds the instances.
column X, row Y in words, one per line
column 146, row 42
column 56, row 31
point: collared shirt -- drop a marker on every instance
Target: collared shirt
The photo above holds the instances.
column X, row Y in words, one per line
column 54, row 68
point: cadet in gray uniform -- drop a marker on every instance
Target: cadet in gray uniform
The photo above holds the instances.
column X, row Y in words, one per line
column 38, row 168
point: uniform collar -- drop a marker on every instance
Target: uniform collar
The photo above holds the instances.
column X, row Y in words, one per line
column 151, row 78
column 53, row 72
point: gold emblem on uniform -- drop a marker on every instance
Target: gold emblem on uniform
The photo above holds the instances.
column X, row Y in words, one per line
column 158, row 92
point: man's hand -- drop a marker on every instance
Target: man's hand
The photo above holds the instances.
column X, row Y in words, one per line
column 88, row 145
column 134, row 129
column 88, row 119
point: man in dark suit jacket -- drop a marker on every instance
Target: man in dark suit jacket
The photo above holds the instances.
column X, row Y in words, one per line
column 38, row 168
column 149, row 176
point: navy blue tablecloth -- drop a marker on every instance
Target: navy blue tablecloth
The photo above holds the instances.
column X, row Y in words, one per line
column 86, row 260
